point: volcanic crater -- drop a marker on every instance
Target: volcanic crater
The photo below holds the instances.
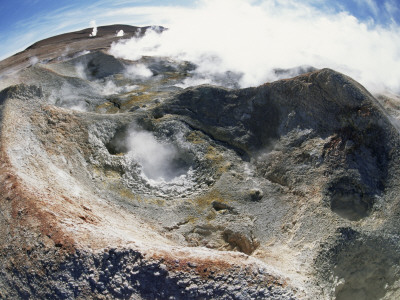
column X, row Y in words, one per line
column 122, row 184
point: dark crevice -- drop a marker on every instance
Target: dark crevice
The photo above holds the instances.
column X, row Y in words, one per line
column 117, row 145
column 349, row 199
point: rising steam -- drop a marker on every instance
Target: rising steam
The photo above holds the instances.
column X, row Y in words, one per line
column 159, row 160
column 33, row 60
column 253, row 38
column 138, row 71
column 69, row 97
column 94, row 31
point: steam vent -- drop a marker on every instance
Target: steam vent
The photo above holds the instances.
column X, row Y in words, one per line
column 118, row 182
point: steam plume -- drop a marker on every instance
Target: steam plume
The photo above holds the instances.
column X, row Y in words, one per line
column 94, row 32
column 33, row 60
column 253, row 38
column 138, row 71
column 157, row 158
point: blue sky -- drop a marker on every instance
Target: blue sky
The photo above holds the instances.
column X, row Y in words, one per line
column 381, row 12
column 23, row 22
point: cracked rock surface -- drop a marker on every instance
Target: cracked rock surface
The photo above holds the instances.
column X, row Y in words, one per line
column 127, row 187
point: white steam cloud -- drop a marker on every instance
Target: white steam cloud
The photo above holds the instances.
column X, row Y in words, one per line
column 120, row 33
column 80, row 71
column 69, row 97
column 33, row 60
column 84, row 52
column 253, row 38
column 108, row 87
column 94, row 31
column 138, row 71
column 155, row 157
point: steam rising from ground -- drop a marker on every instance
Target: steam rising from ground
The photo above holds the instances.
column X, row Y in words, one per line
column 80, row 71
column 159, row 160
column 68, row 96
column 138, row 71
column 86, row 97
column 254, row 38
column 94, row 32
column 107, row 86
column 33, row 60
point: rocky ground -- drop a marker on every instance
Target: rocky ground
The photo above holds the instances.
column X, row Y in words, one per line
column 120, row 183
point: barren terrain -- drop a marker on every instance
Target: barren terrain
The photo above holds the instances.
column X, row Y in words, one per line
column 119, row 185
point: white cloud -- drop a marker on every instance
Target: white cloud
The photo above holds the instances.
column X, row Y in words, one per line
column 120, row 33
column 254, row 37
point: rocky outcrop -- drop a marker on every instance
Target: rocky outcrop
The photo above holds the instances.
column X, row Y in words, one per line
column 133, row 188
